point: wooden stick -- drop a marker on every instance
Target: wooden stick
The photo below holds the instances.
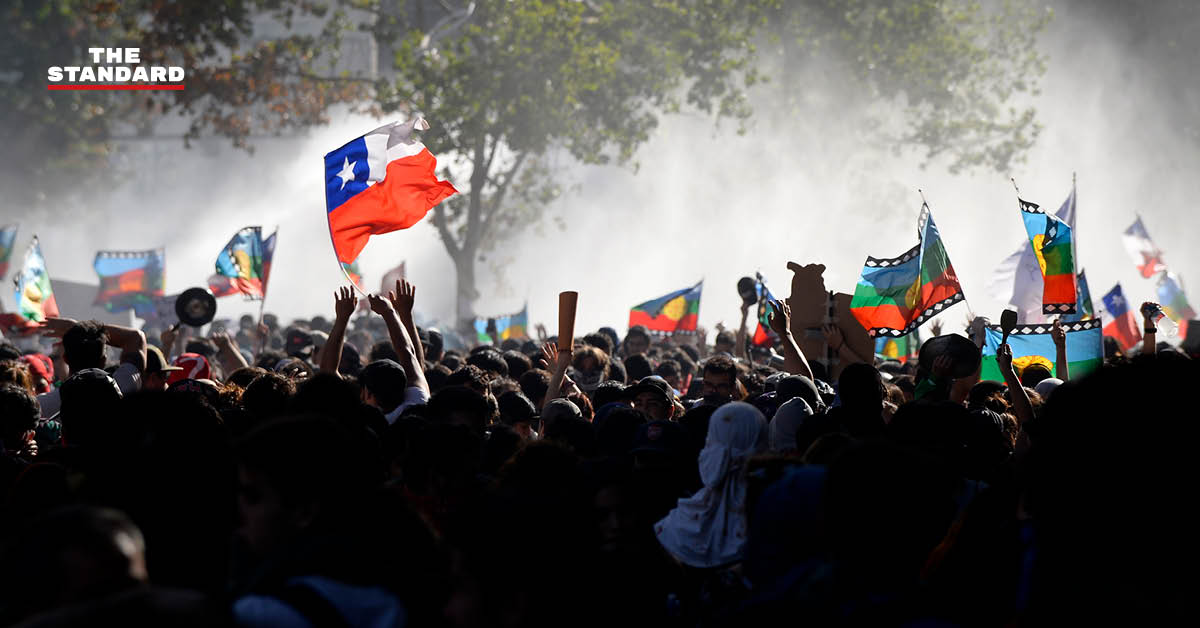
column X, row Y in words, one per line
column 567, row 302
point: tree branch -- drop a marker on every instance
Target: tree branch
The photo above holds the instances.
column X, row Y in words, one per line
column 439, row 221
column 502, row 189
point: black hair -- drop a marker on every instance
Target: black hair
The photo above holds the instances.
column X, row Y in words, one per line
column 470, row 376
column 616, row 371
column 19, row 413
column 720, row 365
column 518, row 363
column 637, row 367
column 489, row 360
column 607, row 392
column 460, row 404
column 83, row 345
column 267, row 396
column 383, row 350
column 600, row 341
column 385, row 380
column 534, row 383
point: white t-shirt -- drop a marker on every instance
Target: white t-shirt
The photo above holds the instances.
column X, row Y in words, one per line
column 413, row 396
column 128, row 377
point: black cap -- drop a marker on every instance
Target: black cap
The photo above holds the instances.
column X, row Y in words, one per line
column 299, row 343
column 654, row 384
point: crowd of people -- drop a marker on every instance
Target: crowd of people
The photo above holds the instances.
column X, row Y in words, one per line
column 355, row 471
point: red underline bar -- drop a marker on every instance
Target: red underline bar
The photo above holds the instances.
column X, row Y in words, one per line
column 106, row 87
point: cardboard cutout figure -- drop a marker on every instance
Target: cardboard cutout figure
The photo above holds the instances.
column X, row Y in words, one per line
column 812, row 307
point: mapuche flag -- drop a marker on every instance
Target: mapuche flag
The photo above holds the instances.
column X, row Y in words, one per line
column 890, row 348
column 1019, row 277
column 1084, row 308
column 895, row 296
column 1055, row 253
column 1034, row 344
column 1122, row 326
column 378, row 183
column 674, row 312
column 34, row 296
column 129, row 279
column 763, row 336
column 241, row 266
column 1146, row 256
column 1174, row 302
column 509, row 326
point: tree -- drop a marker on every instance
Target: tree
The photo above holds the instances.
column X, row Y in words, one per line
column 522, row 80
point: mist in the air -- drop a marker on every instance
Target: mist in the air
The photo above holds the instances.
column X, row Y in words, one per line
column 704, row 203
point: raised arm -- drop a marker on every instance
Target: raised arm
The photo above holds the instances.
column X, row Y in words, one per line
column 558, row 360
column 794, row 361
column 228, row 352
column 739, row 343
column 963, row 385
column 400, row 341
column 131, row 342
column 1149, row 328
column 1016, row 392
column 344, row 302
column 837, row 342
column 1060, row 350
column 403, row 298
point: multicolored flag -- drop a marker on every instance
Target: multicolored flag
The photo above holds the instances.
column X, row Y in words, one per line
column 8, row 235
column 378, row 183
column 509, row 326
column 240, row 265
column 895, row 296
column 268, row 256
column 678, row 311
column 1174, row 301
column 1020, row 275
column 1033, row 344
column 889, row 348
column 1121, row 325
column 1084, row 308
column 34, row 295
column 129, row 279
column 1146, row 256
column 763, row 336
column 1055, row 253
column 353, row 272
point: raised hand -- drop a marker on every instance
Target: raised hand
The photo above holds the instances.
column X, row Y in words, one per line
column 1004, row 359
column 168, row 337
column 833, row 336
column 56, row 327
column 780, row 317
column 379, row 305
column 403, row 297
column 1058, row 333
column 345, row 300
column 549, row 354
column 936, row 328
column 223, row 340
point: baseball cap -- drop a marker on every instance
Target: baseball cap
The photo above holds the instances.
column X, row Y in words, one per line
column 298, row 343
column 156, row 363
column 652, row 384
column 191, row 366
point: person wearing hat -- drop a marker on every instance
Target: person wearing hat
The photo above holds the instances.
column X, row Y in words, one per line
column 158, row 370
column 652, row 395
column 83, row 348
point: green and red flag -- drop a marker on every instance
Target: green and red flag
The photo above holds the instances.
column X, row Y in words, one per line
column 1051, row 241
column 889, row 348
column 130, row 279
column 678, row 311
column 240, row 266
column 34, row 295
column 895, row 296
column 1174, row 301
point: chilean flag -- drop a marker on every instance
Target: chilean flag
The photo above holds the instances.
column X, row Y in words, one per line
column 378, row 183
column 1146, row 256
column 1123, row 326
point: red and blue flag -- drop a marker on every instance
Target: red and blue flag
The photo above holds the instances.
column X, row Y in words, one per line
column 1122, row 325
column 378, row 183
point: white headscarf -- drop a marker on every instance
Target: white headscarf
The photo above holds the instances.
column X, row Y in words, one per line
column 786, row 422
column 708, row 529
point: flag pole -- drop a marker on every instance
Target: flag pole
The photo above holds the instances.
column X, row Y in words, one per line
column 339, row 261
column 262, row 303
